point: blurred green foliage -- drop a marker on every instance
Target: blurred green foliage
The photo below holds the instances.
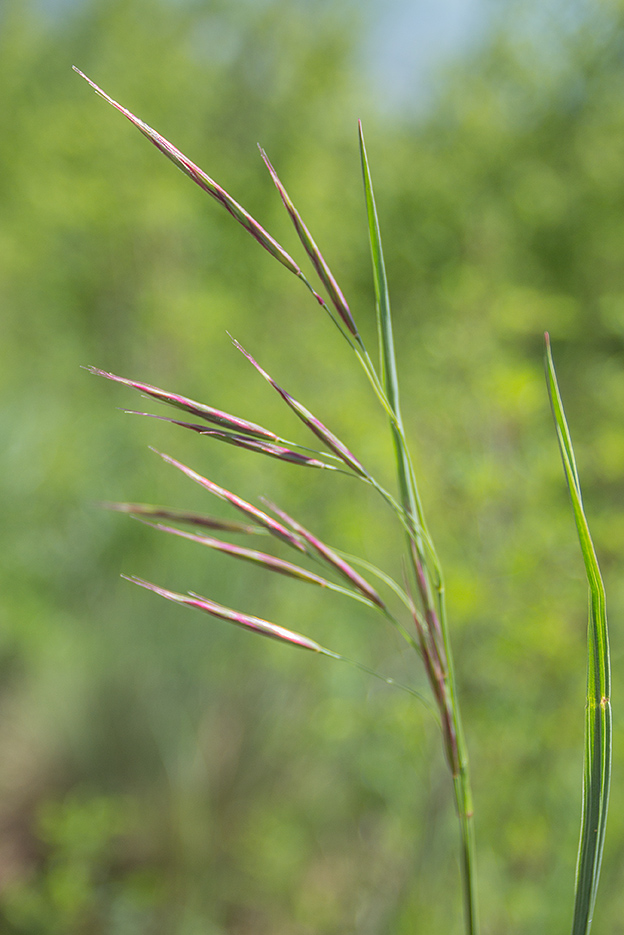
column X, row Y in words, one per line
column 164, row 773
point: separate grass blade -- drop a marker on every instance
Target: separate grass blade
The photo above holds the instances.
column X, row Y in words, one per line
column 315, row 425
column 275, row 528
column 380, row 283
column 323, row 271
column 213, row 416
column 387, row 357
column 597, row 761
column 183, row 516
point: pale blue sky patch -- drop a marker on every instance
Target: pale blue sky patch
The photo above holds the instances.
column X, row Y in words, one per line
column 404, row 42
column 409, row 40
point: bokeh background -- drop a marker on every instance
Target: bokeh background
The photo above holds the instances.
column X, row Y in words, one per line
column 161, row 772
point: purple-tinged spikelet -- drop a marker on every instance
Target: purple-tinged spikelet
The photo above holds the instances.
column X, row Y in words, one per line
column 214, row 416
column 315, row 425
column 268, row 522
column 331, row 557
column 323, row 271
column 243, row 441
column 182, row 516
column 204, row 181
column 225, row 613
column 250, row 555
column 274, row 451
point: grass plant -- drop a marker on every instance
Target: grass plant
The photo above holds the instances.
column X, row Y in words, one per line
column 422, row 620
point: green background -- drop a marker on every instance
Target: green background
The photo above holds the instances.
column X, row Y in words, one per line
column 163, row 772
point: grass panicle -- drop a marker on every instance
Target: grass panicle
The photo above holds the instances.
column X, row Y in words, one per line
column 422, row 598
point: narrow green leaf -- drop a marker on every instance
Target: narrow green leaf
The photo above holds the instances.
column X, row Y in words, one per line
column 421, row 548
column 597, row 760
column 389, row 375
column 380, row 283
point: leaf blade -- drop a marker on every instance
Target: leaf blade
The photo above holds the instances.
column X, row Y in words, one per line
column 598, row 727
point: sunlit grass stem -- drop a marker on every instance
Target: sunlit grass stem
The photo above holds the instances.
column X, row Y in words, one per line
column 429, row 579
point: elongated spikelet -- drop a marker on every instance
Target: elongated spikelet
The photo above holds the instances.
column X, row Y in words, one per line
column 214, row 416
column 315, row 425
column 204, row 181
column 244, row 441
column 263, row 519
column 250, row 555
column 332, row 558
column 273, row 451
column 323, row 271
column 257, row 624
column 182, row 516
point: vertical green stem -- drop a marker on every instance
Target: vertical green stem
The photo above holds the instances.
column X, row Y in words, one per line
column 461, row 786
column 426, row 567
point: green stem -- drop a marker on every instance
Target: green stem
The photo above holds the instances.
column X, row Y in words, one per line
column 461, row 785
column 439, row 657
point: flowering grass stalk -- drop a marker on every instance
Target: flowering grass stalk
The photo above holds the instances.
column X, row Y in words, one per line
column 426, row 628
